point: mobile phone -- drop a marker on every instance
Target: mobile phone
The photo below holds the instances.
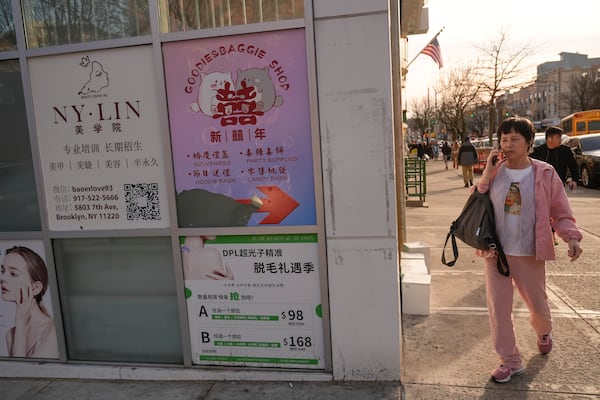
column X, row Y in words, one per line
column 495, row 158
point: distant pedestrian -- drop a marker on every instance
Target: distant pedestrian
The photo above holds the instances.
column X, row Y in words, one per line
column 413, row 150
column 467, row 157
column 558, row 155
column 446, row 153
column 529, row 201
column 455, row 148
column 435, row 149
column 428, row 151
column 420, row 150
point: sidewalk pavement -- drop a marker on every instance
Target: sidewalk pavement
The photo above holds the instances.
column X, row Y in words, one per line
column 447, row 354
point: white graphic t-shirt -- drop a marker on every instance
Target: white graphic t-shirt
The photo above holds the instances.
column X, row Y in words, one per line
column 512, row 213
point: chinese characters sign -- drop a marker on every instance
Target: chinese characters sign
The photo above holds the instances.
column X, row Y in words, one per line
column 100, row 140
column 240, row 130
column 254, row 300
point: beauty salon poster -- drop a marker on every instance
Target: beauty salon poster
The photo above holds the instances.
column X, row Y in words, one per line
column 26, row 302
column 100, row 139
column 254, row 300
column 240, row 130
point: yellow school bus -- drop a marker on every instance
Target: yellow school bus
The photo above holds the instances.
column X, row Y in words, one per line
column 581, row 123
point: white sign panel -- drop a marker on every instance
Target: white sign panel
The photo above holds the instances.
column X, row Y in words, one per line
column 254, row 300
column 100, row 141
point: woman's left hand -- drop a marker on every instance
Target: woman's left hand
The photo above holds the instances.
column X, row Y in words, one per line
column 574, row 249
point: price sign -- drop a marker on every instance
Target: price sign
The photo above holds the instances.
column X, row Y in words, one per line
column 268, row 314
column 292, row 315
column 297, row 341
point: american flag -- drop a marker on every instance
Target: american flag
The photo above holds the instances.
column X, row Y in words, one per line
column 433, row 50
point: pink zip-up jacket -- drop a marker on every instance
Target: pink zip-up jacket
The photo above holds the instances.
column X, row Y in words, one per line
column 552, row 210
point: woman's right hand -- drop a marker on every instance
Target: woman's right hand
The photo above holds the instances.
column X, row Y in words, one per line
column 25, row 303
column 493, row 157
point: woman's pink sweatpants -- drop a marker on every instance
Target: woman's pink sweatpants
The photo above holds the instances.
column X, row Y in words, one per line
column 529, row 277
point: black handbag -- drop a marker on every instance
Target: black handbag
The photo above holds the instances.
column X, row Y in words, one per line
column 476, row 227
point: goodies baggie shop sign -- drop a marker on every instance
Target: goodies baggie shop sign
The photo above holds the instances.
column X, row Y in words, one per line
column 240, row 130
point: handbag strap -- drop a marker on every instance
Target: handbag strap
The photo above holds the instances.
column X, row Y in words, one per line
column 501, row 262
column 451, row 236
column 495, row 245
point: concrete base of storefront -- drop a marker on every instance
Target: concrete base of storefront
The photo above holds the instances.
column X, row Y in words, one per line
column 48, row 370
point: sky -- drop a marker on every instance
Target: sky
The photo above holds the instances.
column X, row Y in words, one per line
column 547, row 27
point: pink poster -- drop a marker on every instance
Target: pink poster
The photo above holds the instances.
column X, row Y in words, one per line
column 240, row 130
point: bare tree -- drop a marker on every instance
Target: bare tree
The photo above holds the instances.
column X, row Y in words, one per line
column 499, row 70
column 583, row 91
column 478, row 119
column 423, row 115
column 459, row 90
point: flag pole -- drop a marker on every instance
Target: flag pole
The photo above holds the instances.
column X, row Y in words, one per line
column 432, row 39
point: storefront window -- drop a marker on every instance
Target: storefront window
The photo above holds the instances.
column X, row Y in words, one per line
column 19, row 209
column 58, row 22
column 185, row 15
column 118, row 299
column 7, row 28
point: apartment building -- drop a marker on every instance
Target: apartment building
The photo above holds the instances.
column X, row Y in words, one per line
column 543, row 100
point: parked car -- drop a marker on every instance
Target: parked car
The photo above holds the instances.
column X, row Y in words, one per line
column 484, row 142
column 586, row 149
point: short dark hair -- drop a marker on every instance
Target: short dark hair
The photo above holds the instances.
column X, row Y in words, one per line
column 553, row 130
column 521, row 125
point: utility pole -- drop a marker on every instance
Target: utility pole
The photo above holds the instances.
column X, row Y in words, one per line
column 428, row 115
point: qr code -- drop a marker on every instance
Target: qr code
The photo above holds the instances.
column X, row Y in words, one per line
column 141, row 200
